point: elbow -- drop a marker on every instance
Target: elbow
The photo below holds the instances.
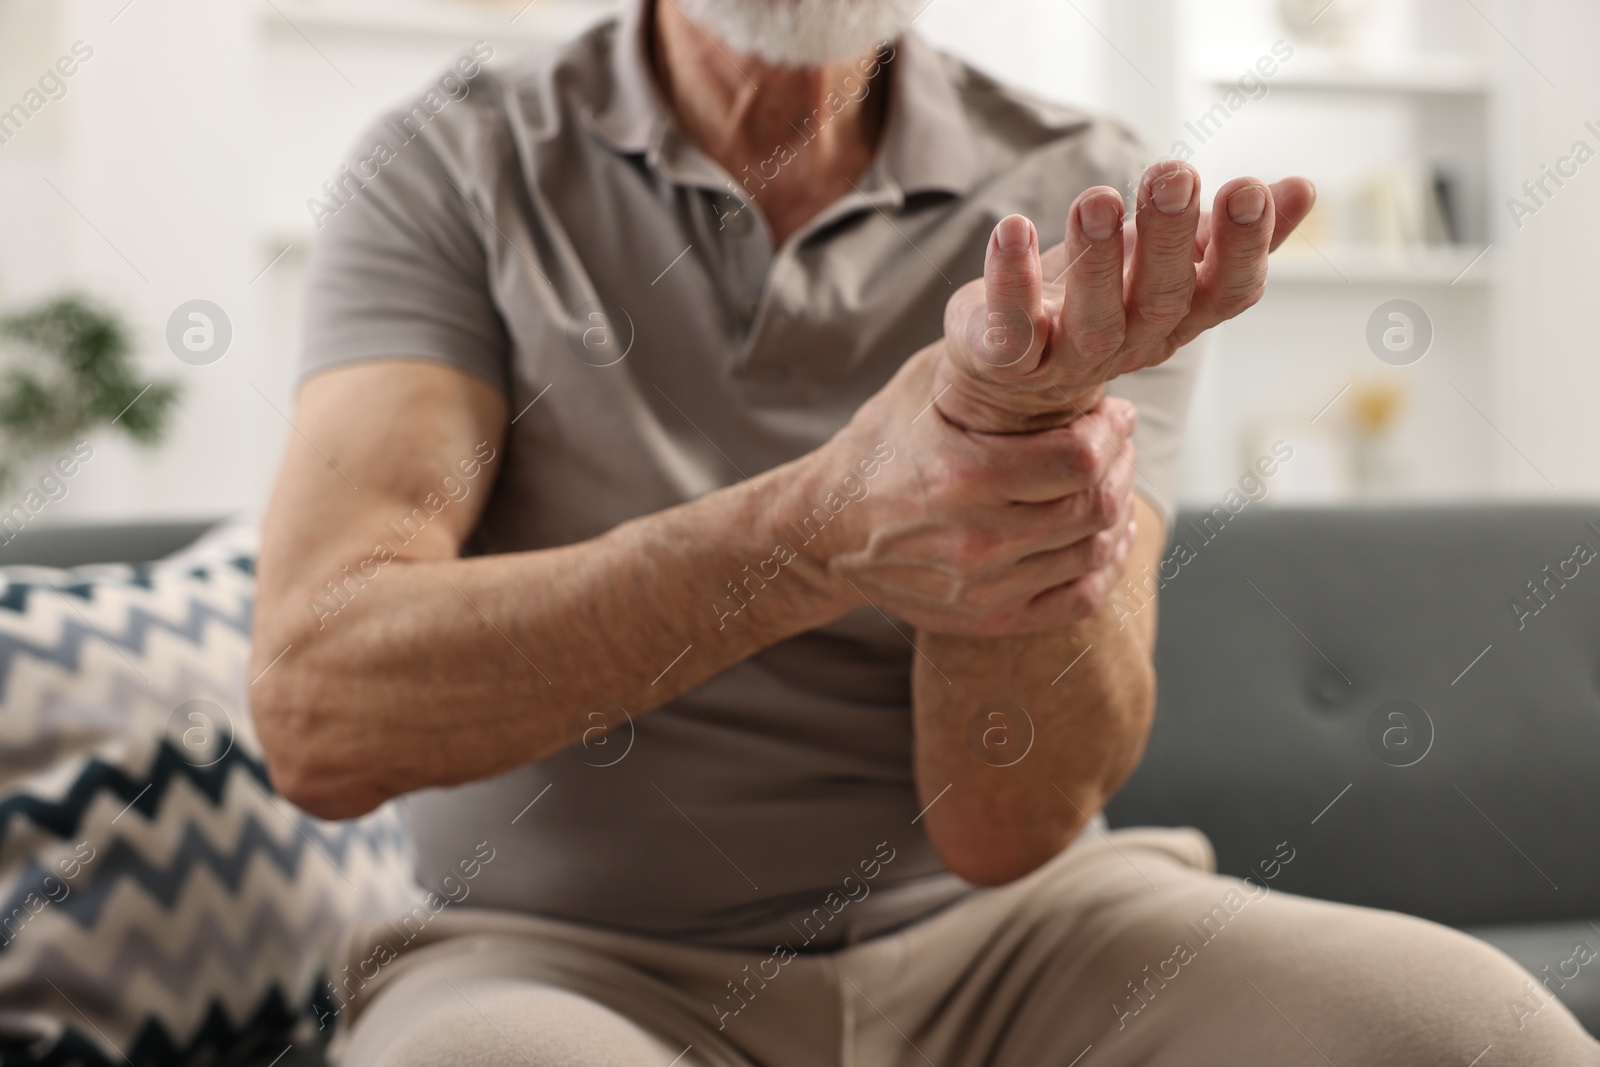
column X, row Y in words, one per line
column 996, row 839
column 1010, row 827
column 986, row 858
column 986, row 867
column 307, row 763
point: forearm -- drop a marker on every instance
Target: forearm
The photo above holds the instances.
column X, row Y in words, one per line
column 1021, row 740
column 439, row 670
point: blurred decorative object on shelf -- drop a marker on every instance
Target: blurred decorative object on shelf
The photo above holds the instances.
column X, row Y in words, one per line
column 65, row 371
column 1374, row 406
column 1329, row 23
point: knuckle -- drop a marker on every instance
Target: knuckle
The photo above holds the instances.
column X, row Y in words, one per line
column 1004, row 333
column 1169, row 244
column 1100, row 270
column 955, row 316
column 1104, row 549
column 965, row 305
column 1101, row 506
column 1078, row 606
column 1096, row 553
column 1166, row 304
column 1101, row 337
column 1081, row 458
column 1241, row 299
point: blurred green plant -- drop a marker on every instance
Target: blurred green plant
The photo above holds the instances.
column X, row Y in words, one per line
column 67, row 371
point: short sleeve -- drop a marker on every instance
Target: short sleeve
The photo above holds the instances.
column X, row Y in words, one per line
column 1162, row 394
column 399, row 269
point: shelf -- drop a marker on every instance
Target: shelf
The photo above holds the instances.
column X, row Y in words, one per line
column 1418, row 76
column 1348, row 265
column 542, row 21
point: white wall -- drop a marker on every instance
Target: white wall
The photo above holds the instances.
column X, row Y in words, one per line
column 1048, row 48
column 1546, row 387
column 154, row 164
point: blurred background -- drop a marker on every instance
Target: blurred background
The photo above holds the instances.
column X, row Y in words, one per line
column 1429, row 337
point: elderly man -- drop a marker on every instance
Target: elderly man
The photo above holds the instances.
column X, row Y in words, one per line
column 724, row 584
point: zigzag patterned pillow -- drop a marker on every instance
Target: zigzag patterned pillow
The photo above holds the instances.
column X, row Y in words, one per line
column 158, row 904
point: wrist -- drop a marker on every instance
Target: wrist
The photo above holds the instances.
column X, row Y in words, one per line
column 742, row 550
column 827, row 511
column 809, row 511
column 981, row 406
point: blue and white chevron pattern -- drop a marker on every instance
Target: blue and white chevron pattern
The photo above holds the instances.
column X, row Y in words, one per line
column 158, row 908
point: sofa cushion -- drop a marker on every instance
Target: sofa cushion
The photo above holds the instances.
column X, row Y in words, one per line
column 158, row 903
column 1286, row 638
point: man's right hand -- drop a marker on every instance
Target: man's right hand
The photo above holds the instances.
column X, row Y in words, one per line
column 981, row 534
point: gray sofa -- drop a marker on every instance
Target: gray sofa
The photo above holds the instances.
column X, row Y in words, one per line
column 1284, row 640
column 1358, row 685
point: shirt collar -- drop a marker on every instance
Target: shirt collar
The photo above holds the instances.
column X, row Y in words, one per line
column 927, row 145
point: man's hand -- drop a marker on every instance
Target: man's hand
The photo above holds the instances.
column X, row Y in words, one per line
column 981, row 534
column 1033, row 342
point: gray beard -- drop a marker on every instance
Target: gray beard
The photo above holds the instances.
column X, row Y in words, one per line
column 802, row 33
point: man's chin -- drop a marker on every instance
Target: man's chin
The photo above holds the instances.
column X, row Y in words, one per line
column 801, row 33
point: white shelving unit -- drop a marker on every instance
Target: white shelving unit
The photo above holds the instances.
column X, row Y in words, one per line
column 1420, row 75
column 1416, row 97
column 536, row 23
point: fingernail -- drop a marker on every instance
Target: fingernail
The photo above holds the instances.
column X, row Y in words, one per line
column 1173, row 190
column 1100, row 216
column 1246, row 205
column 1014, row 234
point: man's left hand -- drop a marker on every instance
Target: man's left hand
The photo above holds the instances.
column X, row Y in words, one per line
column 1026, row 353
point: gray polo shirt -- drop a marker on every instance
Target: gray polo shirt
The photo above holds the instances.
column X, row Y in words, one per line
column 553, row 233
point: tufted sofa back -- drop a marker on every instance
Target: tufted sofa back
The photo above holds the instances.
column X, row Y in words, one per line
column 1406, row 698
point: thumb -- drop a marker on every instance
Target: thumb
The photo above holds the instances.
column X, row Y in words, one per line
column 1006, row 335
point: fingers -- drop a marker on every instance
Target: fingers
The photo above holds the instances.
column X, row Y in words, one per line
column 1081, row 516
column 1048, row 465
column 998, row 329
column 1043, row 574
column 1030, row 548
column 1234, row 273
column 1163, row 272
column 1084, row 596
column 1294, row 198
column 1092, row 314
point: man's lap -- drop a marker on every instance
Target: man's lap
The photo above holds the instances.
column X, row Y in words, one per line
column 1125, row 950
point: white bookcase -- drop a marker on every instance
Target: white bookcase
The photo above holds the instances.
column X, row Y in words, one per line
column 1414, row 93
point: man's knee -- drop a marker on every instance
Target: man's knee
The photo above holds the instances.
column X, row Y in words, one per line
column 1392, row 990
column 1266, row 974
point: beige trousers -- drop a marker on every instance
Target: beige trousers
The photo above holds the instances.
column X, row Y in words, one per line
column 1125, row 950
